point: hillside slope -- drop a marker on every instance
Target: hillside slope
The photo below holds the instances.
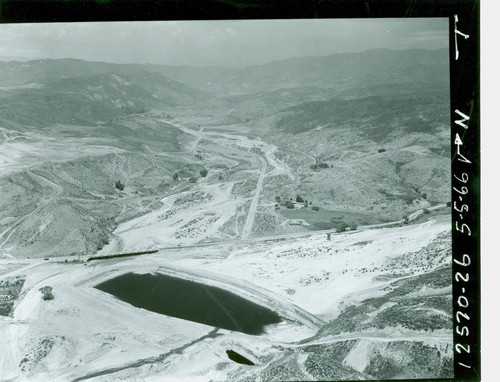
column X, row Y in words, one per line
column 92, row 99
column 363, row 135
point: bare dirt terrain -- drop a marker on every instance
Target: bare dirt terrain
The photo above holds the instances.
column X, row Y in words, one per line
column 311, row 201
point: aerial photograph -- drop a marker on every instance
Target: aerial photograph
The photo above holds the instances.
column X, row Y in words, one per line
column 238, row 200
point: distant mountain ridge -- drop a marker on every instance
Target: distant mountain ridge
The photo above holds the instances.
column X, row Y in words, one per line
column 92, row 98
column 345, row 70
column 376, row 66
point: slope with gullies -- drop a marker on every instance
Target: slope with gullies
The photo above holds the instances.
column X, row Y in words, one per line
column 68, row 141
column 383, row 153
column 358, row 135
column 106, row 158
column 89, row 100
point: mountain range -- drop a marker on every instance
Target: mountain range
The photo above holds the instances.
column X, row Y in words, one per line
column 384, row 114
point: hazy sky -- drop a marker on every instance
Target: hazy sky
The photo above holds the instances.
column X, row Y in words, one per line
column 226, row 43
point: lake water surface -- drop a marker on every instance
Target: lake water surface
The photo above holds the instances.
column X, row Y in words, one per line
column 191, row 301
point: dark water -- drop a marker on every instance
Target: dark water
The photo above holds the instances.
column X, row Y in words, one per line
column 190, row 301
column 238, row 358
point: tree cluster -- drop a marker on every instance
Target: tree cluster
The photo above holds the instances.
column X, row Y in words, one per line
column 47, row 293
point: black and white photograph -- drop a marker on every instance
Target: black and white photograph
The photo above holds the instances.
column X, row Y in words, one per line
column 232, row 200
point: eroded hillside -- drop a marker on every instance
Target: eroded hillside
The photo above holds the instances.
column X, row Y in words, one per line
column 315, row 188
column 363, row 141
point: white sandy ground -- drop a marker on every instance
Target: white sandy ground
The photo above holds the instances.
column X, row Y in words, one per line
column 96, row 335
column 153, row 230
column 291, row 265
column 19, row 151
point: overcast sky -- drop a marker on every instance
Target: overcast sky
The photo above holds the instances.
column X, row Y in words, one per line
column 226, row 43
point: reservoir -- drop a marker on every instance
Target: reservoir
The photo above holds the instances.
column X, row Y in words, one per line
column 191, row 301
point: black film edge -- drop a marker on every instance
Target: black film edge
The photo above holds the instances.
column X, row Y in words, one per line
column 464, row 86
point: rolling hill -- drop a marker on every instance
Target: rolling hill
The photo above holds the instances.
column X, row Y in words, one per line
column 313, row 186
column 360, row 132
column 91, row 99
